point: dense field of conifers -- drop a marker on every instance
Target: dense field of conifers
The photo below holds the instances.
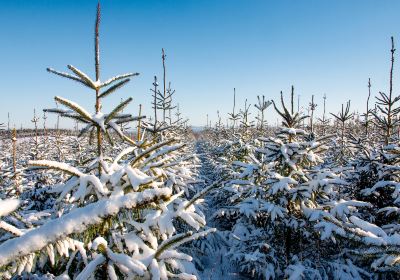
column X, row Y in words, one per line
column 146, row 197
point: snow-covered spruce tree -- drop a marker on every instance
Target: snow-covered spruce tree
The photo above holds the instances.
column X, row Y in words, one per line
column 35, row 139
column 323, row 122
column 114, row 217
column 372, row 237
column 342, row 152
column 385, row 117
column 234, row 117
column 262, row 107
column 157, row 127
column 275, row 191
column 12, row 175
column 245, row 121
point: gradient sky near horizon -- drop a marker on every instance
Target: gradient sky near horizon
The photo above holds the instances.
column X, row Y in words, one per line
column 258, row 47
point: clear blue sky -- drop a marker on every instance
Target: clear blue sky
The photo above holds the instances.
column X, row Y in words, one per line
column 259, row 47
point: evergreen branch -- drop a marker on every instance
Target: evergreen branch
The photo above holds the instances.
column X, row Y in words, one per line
column 66, row 75
column 180, row 239
column 57, row 166
column 151, row 149
column 116, row 78
column 109, row 138
column 75, row 107
column 163, row 152
column 117, row 109
column 114, row 88
column 85, row 129
column 205, row 191
column 83, row 76
column 75, row 222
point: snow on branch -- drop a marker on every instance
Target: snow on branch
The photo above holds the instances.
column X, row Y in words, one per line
column 117, row 78
column 74, row 222
column 180, row 239
column 83, row 76
column 75, row 107
column 66, row 75
column 56, row 165
column 8, row 205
